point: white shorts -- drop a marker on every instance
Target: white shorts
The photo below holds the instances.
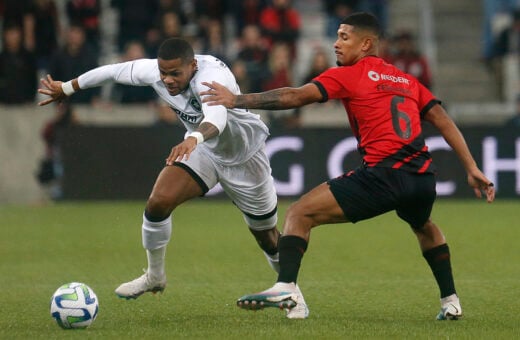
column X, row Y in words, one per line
column 249, row 185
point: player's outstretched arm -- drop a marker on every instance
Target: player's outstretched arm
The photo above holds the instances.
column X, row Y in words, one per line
column 451, row 133
column 56, row 90
column 278, row 99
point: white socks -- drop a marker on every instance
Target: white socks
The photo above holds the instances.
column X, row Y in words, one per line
column 156, row 236
column 274, row 261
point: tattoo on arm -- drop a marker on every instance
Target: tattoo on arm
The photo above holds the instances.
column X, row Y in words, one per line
column 208, row 130
column 269, row 100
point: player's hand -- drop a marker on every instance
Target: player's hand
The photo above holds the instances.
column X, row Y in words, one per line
column 182, row 151
column 218, row 94
column 481, row 184
column 51, row 88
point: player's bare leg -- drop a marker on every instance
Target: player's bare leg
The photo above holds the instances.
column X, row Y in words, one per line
column 437, row 253
column 173, row 187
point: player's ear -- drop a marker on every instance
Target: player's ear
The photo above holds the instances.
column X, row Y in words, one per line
column 193, row 65
column 368, row 43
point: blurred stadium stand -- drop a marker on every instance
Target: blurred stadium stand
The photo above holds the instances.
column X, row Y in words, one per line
column 449, row 34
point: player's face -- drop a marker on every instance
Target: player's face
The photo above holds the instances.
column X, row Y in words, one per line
column 349, row 46
column 176, row 75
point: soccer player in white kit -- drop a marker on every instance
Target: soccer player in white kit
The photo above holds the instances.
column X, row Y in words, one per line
column 221, row 145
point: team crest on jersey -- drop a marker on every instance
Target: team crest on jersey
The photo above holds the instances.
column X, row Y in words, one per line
column 194, row 103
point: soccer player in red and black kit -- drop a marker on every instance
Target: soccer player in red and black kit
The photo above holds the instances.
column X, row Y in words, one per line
column 385, row 107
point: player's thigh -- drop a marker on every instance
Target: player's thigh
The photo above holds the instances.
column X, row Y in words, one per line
column 318, row 206
column 185, row 180
column 250, row 185
column 173, row 186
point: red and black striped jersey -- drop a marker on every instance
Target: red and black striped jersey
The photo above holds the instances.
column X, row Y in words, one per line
column 384, row 107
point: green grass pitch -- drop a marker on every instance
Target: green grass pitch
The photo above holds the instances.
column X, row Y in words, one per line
column 364, row 280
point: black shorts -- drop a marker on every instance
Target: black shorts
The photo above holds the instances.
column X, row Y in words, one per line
column 370, row 191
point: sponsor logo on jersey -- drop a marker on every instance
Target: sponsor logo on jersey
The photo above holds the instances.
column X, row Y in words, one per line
column 193, row 119
column 374, row 76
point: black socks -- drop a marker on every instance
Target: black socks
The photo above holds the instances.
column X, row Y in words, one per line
column 291, row 249
column 439, row 260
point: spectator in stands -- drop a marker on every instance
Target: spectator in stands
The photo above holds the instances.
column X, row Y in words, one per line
column 335, row 11
column 281, row 75
column 175, row 6
column 136, row 18
column 319, row 63
column 73, row 58
column 87, row 13
column 253, row 51
column 207, row 10
column 408, row 58
column 239, row 69
column 169, row 26
column 280, row 23
column 18, row 75
column 494, row 12
column 44, row 21
column 16, row 13
column 213, row 40
column 126, row 94
column 50, row 172
column 246, row 12
column 507, row 45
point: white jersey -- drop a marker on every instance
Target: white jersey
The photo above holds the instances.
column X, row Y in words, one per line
column 241, row 132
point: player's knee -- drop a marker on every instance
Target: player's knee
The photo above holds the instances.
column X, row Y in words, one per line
column 158, row 208
column 297, row 211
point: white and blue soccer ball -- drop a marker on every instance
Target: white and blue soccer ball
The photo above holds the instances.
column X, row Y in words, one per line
column 74, row 305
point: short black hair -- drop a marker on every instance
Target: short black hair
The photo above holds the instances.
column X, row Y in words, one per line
column 175, row 48
column 364, row 20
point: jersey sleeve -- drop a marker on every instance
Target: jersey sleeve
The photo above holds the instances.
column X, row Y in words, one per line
column 426, row 100
column 139, row 72
column 215, row 115
column 337, row 82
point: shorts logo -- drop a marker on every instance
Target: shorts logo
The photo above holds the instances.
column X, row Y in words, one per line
column 194, row 103
column 373, row 75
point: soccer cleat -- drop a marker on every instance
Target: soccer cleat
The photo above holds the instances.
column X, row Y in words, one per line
column 450, row 308
column 281, row 295
column 300, row 311
column 139, row 286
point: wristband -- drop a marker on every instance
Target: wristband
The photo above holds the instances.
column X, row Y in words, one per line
column 198, row 136
column 67, row 88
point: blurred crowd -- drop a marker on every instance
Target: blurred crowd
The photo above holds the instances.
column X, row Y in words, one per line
column 65, row 39
column 258, row 39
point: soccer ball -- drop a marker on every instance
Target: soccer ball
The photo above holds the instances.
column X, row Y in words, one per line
column 74, row 305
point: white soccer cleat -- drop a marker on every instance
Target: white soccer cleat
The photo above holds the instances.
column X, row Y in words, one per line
column 300, row 311
column 282, row 295
column 450, row 308
column 141, row 285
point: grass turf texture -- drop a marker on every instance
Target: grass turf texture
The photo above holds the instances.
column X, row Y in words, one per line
column 366, row 280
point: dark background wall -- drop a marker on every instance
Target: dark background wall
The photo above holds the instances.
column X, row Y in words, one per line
column 123, row 162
